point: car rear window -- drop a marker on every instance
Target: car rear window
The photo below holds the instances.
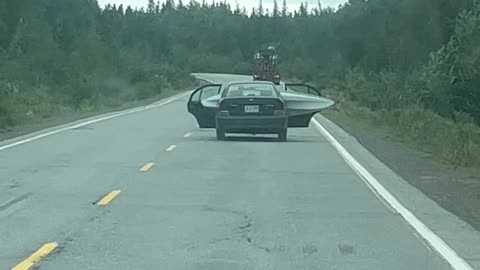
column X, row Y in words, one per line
column 250, row 90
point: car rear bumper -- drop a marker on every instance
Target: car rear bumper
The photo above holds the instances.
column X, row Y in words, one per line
column 252, row 124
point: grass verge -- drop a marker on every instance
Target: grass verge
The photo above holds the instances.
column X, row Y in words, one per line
column 453, row 142
column 32, row 124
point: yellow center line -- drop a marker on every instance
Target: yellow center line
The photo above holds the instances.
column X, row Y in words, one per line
column 146, row 167
column 187, row 135
column 36, row 257
column 108, row 198
column 171, row 148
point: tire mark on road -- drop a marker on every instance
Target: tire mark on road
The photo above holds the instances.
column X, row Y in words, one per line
column 14, row 201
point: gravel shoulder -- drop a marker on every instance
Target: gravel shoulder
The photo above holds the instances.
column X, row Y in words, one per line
column 456, row 190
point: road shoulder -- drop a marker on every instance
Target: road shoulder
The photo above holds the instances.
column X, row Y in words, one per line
column 42, row 125
column 58, row 123
column 459, row 235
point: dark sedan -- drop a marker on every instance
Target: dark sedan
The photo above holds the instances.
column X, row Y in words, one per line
column 255, row 107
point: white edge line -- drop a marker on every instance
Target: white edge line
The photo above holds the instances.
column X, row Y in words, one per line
column 95, row 120
column 447, row 253
column 428, row 235
column 380, row 191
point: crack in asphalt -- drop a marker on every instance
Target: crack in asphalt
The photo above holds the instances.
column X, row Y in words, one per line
column 254, row 244
column 248, row 225
column 15, row 201
column 13, row 184
column 244, row 229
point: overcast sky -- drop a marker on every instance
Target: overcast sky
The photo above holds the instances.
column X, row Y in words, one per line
column 292, row 4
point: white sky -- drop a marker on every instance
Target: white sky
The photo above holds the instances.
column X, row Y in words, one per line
column 292, row 4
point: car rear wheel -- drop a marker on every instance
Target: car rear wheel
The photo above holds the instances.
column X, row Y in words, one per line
column 282, row 135
column 220, row 134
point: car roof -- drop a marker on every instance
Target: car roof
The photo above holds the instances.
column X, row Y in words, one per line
column 225, row 86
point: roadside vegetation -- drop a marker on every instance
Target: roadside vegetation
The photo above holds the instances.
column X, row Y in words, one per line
column 412, row 66
column 64, row 58
column 435, row 105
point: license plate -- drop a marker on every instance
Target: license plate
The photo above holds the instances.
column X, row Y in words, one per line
column 252, row 108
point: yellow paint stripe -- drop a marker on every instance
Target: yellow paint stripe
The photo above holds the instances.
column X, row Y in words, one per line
column 146, row 167
column 108, row 198
column 171, row 148
column 36, row 257
column 187, row 135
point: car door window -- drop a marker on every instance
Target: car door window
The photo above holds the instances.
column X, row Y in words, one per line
column 302, row 88
column 196, row 97
column 208, row 92
column 297, row 88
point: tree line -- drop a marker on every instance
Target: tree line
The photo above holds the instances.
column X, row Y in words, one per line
column 62, row 55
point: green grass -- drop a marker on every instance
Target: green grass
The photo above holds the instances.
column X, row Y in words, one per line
column 25, row 114
column 454, row 142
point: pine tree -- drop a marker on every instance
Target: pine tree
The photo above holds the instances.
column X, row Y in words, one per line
column 193, row 4
column 237, row 8
column 260, row 8
column 303, row 10
column 275, row 9
column 151, row 6
column 168, row 5
column 129, row 11
column 120, row 9
column 318, row 9
column 284, row 8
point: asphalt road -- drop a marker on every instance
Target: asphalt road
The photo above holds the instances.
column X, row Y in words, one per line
column 247, row 203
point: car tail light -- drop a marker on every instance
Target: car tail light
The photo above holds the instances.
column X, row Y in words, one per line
column 279, row 108
column 222, row 107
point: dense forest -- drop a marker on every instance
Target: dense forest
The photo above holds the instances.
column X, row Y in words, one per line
column 62, row 56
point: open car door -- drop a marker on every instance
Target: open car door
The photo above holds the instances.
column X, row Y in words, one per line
column 205, row 116
column 303, row 112
column 300, row 121
column 302, row 88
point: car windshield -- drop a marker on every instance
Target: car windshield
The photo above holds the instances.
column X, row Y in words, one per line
column 250, row 90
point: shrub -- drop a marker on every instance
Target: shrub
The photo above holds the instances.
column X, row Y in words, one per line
column 5, row 116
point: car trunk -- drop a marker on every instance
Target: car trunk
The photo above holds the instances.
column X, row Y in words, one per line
column 251, row 106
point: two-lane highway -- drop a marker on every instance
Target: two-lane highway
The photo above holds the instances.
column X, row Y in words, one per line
column 149, row 190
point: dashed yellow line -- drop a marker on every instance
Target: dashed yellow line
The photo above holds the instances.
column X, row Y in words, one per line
column 146, row 167
column 189, row 134
column 171, row 148
column 36, row 257
column 108, row 198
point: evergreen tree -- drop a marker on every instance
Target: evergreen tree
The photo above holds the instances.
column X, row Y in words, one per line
column 276, row 12
column 284, row 8
column 237, row 10
column 66, row 49
column 260, row 8
column 151, row 6
column 180, row 4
